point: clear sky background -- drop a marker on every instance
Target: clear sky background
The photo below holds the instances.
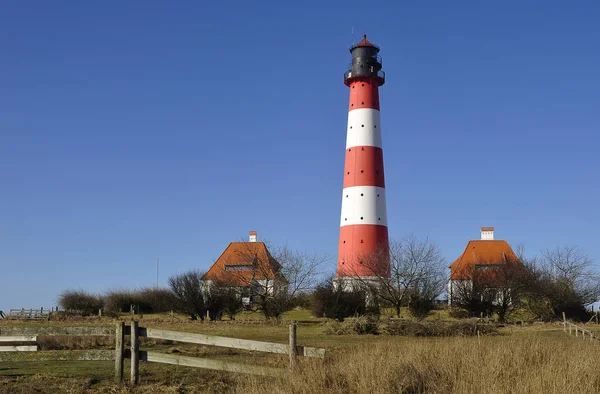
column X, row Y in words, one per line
column 143, row 129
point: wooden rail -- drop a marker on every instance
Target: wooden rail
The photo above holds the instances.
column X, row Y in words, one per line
column 19, row 344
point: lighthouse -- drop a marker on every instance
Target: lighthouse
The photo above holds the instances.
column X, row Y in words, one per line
column 363, row 250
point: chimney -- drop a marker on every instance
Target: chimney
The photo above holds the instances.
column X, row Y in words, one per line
column 252, row 236
column 487, row 233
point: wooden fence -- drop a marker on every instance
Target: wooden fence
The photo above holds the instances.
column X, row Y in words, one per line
column 29, row 314
column 579, row 331
column 21, row 342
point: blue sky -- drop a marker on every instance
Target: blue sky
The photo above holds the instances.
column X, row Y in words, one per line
column 144, row 129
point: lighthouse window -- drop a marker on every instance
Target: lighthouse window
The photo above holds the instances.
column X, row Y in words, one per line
column 361, row 194
column 350, row 126
column 344, row 241
column 378, row 195
column 363, row 102
column 373, row 126
column 346, row 196
column 362, row 171
column 362, row 125
column 348, row 172
column 361, row 218
column 362, row 84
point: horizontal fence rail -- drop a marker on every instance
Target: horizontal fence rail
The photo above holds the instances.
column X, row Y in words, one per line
column 18, row 348
column 59, row 355
column 18, row 338
column 208, row 364
column 233, row 343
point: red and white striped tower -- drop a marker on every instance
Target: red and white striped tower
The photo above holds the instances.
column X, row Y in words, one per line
column 363, row 225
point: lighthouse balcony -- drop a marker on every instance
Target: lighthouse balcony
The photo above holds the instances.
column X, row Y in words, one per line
column 349, row 77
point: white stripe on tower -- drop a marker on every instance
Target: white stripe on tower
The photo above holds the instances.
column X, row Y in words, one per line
column 364, row 128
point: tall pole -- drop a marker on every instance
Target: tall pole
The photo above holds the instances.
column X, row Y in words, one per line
column 157, row 260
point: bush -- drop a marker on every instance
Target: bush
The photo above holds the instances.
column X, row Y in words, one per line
column 420, row 306
column 80, row 302
column 222, row 299
column 369, row 325
column 332, row 303
column 274, row 307
column 301, row 300
column 187, row 291
column 145, row 300
column 352, row 326
column 158, row 300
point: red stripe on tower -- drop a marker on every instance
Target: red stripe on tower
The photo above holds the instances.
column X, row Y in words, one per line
column 363, row 249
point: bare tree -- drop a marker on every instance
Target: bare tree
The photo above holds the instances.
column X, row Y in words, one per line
column 568, row 280
column 416, row 266
column 188, row 293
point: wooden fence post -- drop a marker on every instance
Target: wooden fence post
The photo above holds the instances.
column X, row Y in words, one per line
column 135, row 355
column 119, row 348
column 293, row 344
column 564, row 322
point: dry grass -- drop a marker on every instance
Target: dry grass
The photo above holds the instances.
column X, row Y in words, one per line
column 519, row 364
column 531, row 358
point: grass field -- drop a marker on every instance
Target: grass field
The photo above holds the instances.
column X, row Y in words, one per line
column 538, row 358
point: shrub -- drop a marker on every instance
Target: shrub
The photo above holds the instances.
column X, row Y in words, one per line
column 420, row 306
column 221, row 299
column 81, row 302
column 158, row 300
column 409, row 328
column 332, row 303
column 301, row 300
column 273, row 307
column 145, row 300
column 187, row 291
column 118, row 301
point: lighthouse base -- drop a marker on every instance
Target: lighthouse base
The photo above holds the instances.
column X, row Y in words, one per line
column 368, row 284
column 355, row 283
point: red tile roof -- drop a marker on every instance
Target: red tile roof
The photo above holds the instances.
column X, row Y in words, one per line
column 364, row 43
column 254, row 255
column 481, row 253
